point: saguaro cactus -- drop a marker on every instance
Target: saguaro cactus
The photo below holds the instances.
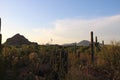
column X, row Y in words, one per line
column 97, row 45
column 0, row 24
column 96, row 41
column 103, row 42
column 0, row 38
column 92, row 47
column 64, row 63
column 75, row 47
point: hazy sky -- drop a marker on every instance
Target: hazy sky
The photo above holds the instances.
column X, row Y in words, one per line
column 64, row 21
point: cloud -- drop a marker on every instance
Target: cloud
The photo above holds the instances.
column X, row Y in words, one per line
column 68, row 30
column 75, row 30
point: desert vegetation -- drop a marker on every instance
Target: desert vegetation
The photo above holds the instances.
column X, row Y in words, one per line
column 38, row 62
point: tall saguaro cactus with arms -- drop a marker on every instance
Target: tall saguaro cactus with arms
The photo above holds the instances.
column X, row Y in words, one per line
column 92, row 47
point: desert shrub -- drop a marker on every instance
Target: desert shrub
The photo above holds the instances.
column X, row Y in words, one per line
column 110, row 66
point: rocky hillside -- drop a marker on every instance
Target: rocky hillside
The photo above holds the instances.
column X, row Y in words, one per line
column 18, row 40
column 83, row 43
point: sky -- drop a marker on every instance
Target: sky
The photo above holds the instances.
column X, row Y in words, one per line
column 61, row 21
